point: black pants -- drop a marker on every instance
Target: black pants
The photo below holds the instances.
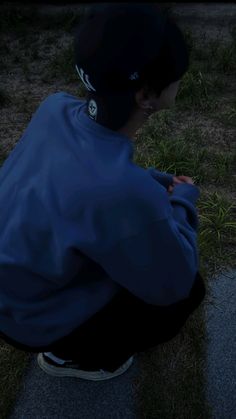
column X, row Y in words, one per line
column 125, row 326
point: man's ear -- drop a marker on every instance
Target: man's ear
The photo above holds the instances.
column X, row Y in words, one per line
column 143, row 98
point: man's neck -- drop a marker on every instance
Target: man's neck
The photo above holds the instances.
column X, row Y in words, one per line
column 133, row 125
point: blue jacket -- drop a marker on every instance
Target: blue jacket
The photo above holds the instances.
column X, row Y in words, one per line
column 80, row 221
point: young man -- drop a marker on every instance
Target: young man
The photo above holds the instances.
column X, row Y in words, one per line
column 97, row 261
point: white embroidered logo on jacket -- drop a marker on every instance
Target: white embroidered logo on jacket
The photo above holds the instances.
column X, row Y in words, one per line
column 93, row 109
column 85, row 79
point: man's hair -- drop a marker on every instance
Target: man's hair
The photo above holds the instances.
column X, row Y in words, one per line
column 171, row 64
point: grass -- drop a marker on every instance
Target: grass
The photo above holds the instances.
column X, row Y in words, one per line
column 183, row 153
column 13, row 364
column 222, row 57
column 62, row 66
column 217, row 232
column 213, row 55
column 157, row 144
column 19, row 20
column 201, row 88
column 201, row 85
column 168, row 156
column 228, row 116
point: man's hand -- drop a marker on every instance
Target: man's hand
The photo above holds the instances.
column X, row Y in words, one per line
column 180, row 179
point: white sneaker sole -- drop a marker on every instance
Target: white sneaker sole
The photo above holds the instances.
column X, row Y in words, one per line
column 86, row 375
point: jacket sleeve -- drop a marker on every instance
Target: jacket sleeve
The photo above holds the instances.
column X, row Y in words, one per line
column 164, row 178
column 159, row 263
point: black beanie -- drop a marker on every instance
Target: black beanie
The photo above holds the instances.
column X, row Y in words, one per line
column 117, row 50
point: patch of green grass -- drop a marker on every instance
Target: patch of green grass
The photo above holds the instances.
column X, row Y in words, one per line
column 190, row 40
column 14, row 362
column 202, row 85
column 232, row 31
column 219, row 57
column 168, row 156
column 228, row 116
column 192, row 135
column 184, row 153
column 20, row 20
column 158, row 127
column 62, row 66
column 221, row 169
column 213, row 55
column 196, row 91
column 217, row 229
column 24, row 55
column 179, row 154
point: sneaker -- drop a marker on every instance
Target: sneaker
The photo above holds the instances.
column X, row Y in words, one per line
column 70, row 369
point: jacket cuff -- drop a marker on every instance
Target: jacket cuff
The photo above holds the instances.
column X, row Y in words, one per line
column 186, row 195
column 187, row 191
column 164, row 178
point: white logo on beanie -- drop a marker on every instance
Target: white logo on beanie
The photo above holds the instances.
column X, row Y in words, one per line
column 93, row 109
column 134, row 76
column 84, row 78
